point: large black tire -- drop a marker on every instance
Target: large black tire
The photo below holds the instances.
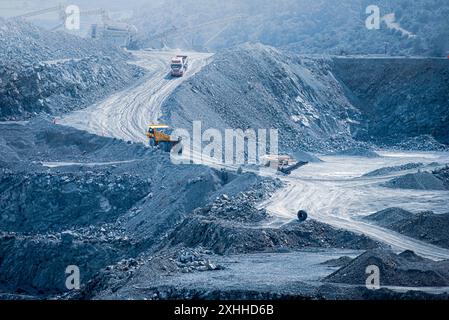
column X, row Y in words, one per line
column 302, row 215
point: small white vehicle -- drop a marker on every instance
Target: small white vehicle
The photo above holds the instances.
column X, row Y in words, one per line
column 179, row 65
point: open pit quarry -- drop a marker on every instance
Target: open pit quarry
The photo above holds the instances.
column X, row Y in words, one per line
column 80, row 184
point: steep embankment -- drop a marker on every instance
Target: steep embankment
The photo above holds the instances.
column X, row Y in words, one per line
column 53, row 72
column 319, row 104
column 25, row 42
column 435, row 180
column 398, row 98
column 68, row 197
column 255, row 86
column 405, row 269
column 425, row 226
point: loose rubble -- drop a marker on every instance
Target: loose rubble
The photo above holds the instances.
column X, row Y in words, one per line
column 405, row 269
column 52, row 73
column 389, row 170
column 418, row 181
column 425, row 226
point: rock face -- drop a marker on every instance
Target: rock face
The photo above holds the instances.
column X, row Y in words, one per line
column 300, row 155
column 320, row 104
column 425, row 226
column 388, row 170
column 390, row 95
column 36, row 264
column 232, row 226
column 424, row 142
column 43, row 202
column 259, row 87
column 405, row 269
column 223, row 237
column 417, row 181
column 45, row 72
column 389, row 217
column 27, row 90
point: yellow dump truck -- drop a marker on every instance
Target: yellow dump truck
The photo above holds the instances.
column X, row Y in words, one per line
column 159, row 137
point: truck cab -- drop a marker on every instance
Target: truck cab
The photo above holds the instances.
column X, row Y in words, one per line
column 179, row 65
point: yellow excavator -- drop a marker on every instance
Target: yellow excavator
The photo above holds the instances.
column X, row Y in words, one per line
column 158, row 137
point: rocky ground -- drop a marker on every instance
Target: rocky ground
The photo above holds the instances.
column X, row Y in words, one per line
column 405, row 269
column 425, row 226
column 140, row 227
column 422, row 180
column 123, row 207
column 389, row 170
column 356, row 152
column 384, row 109
column 44, row 72
column 234, row 91
column 421, row 142
column 389, row 94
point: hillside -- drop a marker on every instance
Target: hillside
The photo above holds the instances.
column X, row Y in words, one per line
column 390, row 95
column 54, row 72
column 323, row 26
column 319, row 104
column 260, row 87
column 404, row 269
column 24, row 42
column 425, row 226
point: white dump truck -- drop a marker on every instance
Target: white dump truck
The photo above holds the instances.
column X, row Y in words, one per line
column 179, row 65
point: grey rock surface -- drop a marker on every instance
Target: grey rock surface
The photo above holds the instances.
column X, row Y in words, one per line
column 405, row 269
column 425, row 226
column 43, row 72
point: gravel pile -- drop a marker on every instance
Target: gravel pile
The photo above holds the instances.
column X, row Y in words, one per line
column 26, row 43
column 235, row 225
column 388, row 170
column 256, row 86
column 419, row 143
column 425, row 226
column 405, row 269
column 44, row 72
column 417, row 181
column 403, row 102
